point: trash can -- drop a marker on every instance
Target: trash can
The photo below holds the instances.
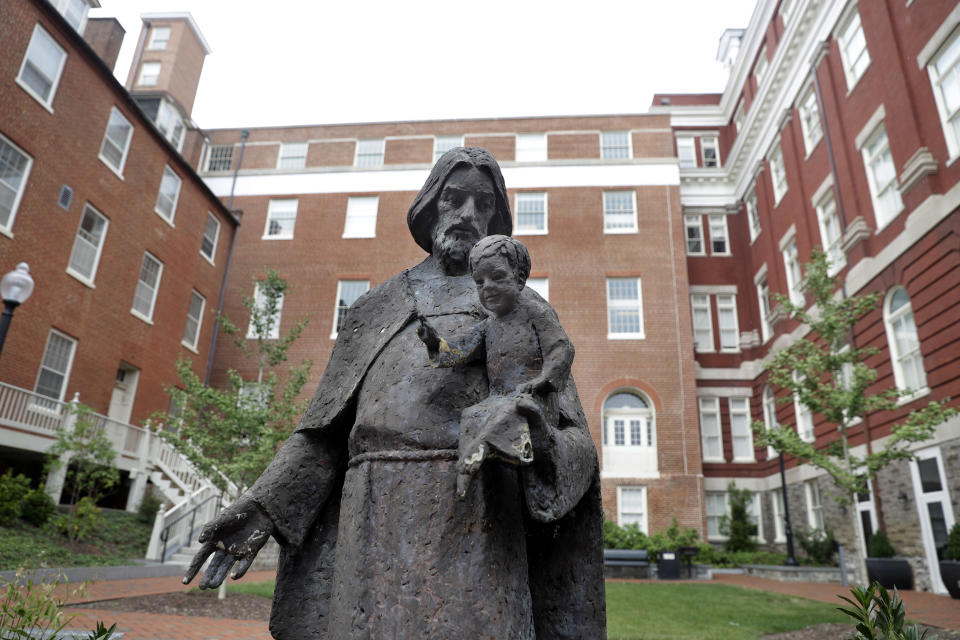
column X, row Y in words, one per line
column 668, row 566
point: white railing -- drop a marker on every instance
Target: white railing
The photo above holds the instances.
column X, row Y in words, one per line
column 30, row 411
column 180, row 525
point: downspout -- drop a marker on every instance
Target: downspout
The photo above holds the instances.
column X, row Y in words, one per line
column 226, row 272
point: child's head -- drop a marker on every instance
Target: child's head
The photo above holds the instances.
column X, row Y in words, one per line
column 500, row 266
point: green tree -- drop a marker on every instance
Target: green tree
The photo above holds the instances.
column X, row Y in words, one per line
column 828, row 374
column 736, row 525
column 231, row 434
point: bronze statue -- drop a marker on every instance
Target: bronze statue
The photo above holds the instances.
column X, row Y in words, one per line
column 363, row 496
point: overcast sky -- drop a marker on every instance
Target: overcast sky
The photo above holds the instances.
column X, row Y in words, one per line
column 286, row 62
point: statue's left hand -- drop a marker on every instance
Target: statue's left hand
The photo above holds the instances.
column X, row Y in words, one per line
column 235, row 536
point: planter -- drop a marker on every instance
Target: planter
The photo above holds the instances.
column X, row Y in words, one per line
column 950, row 574
column 890, row 572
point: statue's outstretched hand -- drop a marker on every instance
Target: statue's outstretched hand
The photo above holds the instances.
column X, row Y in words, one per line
column 235, row 536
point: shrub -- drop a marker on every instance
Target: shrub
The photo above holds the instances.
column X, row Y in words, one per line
column 147, row 511
column 12, row 490
column 37, row 507
column 818, row 545
column 880, row 616
column 953, row 543
column 736, row 525
column 880, row 546
column 80, row 522
column 628, row 536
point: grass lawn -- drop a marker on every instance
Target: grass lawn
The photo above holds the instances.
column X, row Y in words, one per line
column 675, row 611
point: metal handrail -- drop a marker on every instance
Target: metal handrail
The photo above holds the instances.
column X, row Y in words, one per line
column 165, row 534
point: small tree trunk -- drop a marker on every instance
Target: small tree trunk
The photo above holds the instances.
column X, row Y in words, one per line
column 222, row 590
column 861, row 553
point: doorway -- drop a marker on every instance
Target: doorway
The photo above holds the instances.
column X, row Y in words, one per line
column 934, row 509
column 124, row 390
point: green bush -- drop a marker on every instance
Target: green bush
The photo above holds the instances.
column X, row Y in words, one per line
column 818, row 545
column 628, row 536
column 82, row 520
column 736, row 525
column 37, row 507
column 12, row 490
column 880, row 546
column 880, row 616
column 953, row 543
column 147, row 511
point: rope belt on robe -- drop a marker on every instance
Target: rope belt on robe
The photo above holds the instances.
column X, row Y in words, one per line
column 413, row 455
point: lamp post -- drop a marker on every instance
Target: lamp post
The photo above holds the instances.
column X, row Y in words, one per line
column 15, row 287
column 787, row 529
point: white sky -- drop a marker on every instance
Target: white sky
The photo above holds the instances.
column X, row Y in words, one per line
column 286, row 62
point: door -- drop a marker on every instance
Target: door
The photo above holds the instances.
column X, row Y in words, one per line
column 934, row 509
column 124, row 390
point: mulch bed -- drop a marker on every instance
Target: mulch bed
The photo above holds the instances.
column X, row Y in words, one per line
column 190, row 603
column 834, row 631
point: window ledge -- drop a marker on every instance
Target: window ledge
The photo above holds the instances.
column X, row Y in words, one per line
column 346, row 237
column 626, row 336
column 81, row 279
column 6, row 232
column 916, row 395
column 139, row 316
column 858, row 78
column 111, row 167
column 192, row 349
column 696, row 255
column 208, row 259
column 812, row 147
column 717, row 460
column 164, row 217
column 529, row 232
column 276, row 238
column 744, row 460
column 333, row 336
column 23, row 85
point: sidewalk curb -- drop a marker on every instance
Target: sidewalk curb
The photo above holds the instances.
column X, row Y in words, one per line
column 83, row 574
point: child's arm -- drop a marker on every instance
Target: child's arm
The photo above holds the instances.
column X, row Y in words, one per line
column 555, row 349
column 466, row 348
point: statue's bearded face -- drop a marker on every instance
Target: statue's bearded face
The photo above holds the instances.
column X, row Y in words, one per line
column 464, row 210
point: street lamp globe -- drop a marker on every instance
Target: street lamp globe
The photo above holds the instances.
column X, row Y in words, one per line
column 17, row 285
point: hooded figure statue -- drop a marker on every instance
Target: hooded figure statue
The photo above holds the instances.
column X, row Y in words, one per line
column 362, row 497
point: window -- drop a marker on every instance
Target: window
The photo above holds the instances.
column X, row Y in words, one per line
column 88, row 244
column 791, row 264
column 271, row 324
column 760, row 68
column 42, row 66
column 149, row 74
column 619, row 212
column 147, row 284
column 347, row 293
column 716, row 509
column 904, row 342
column 369, row 153
column 753, row 215
column 159, row 37
column 686, row 152
column 168, row 194
column 810, row 120
column 541, row 286
column 170, row 124
column 779, row 517
column 211, row 233
column 629, row 435
column 882, row 177
column 712, row 439
column 694, row 228
column 729, row 328
column 753, row 514
column 442, row 144
column 615, row 145
column 281, row 218
column 702, row 323
column 191, row 332
column 853, row 50
column 739, row 117
column 293, row 155
column 740, row 431
column 73, row 11
column 14, row 169
column 763, row 299
column 803, row 415
column 55, row 366
column 830, row 234
column 531, row 213
column 624, row 308
column 632, row 507
column 770, row 415
column 531, row 147
column 220, row 157
column 811, row 491
column 944, row 70
column 709, row 152
column 116, row 141
column 778, row 175
column 719, row 244
column 361, row 219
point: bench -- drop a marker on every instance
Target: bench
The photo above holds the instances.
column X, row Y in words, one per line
column 626, row 558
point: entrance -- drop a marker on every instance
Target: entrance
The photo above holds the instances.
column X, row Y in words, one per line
column 934, row 509
column 124, row 390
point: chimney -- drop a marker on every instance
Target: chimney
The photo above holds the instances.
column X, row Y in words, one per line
column 105, row 35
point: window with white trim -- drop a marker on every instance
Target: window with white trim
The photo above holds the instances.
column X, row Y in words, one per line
column 361, row 218
column 619, row 212
column 779, row 517
column 442, row 144
column 541, row 286
column 770, row 416
column 853, row 50
column 149, row 74
column 711, row 436
column 145, row 295
column 615, row 145
column 791, row 265
column 739, row 117
column 88, row 244
column 687, row 152
column 753, row 215
column 803, row 414
column 831, row 236
column 729, row 327
column 693, row 224
column 709, row 152
column 531, row 147
column 159, row 37
column 908, row 371
column 702, row 323
column 271, row 328
column 73, row 11
column 763, row 300
column 293, row 155
column 719, row 241
column 882, row 177
column 55, row 366
column 220, row 157
column 624, row 308
column 170, row 124
column 740, row 432
column 211, row 234
column 191, row 332
column 632, row 507
column 629, row 435
column 778, row 175
column 42, row 67
column 14, row 169
column 716, row 508
column 810, row 120
column 281, row 219
column 944, row 71
column 369, row 153
column 168, row 194
column 348, row 291
column 531, row 213
column 116, row 141
column 760, row 68
column 811, row 492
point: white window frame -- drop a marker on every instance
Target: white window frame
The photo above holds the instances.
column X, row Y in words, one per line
column 903, row 315
column 272, row 209
column 358, row 222
column 369, row 152
column 717, row 222
column 712, row 142
column 740, row 117
column 336, row 303
column 779, row 519
column 740, row 430
column 793, row 271
column 6, row 229
column 273, row 331
column 829, row 218
column 115, row 114
column 98, row 250
column 211, row 151
column 610, row 147
column 688, row 156
column 806, row 428
column 148, row 317
column 727, row 302
column 949, row 120
column 700, row 307
column 531, row 147
column 170, row 124
column 713, row 515
column 810, row 123
column 694, row 221
column 78, row 22
column 643, row 525
column 192, row 344
column 710, row 405
column 753, row 215
column 214, row 241
column 761, row 66
column 156, row 43
column 442, row 144
column 541, row 286
column 293, row 155
column 755, row 515
column 607, row 229
column 625, row 305
column 763, row 301
column 47, row 103
column 814, row 503
column 769, row 403
column 531, row 197
column 65, row 373
column 151, row 80
column 876, row 151
column 171, row 176
column 778, row 174
column 846, row 36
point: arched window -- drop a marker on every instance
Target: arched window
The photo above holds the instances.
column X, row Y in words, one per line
column 629, row 435
column 904, row 343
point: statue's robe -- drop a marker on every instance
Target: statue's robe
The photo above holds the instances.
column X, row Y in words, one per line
column 523, row 550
